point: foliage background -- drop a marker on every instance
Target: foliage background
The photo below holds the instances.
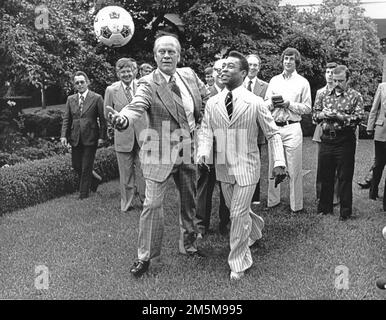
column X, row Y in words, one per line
column 211, row 29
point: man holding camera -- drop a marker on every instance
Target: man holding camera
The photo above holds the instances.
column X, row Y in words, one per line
column 338, row 111
column 288, row 98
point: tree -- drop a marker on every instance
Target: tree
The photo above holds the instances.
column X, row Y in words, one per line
column 341, row 34
column 49, row 55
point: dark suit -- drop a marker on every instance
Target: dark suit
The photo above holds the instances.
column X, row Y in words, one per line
column 259, row 89
column 82, row 132
column 205, row 186
column 161, row 157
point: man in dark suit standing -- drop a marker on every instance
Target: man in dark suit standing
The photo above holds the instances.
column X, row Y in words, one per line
column 259, row 88
column 126, row 142
column 83, row 132
column 172, row 99
column 207, row 176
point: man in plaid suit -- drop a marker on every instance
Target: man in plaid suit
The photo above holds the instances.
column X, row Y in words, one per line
column 173, row 99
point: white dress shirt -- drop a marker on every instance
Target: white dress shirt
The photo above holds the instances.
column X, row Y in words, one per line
column 84, row 94
column 247, row 80
column 296, row 89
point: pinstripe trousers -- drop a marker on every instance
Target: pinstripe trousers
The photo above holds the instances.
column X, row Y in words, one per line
column 245, row 224
column 151, row 222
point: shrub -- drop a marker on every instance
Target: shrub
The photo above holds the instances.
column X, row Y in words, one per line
column 43, row 123
column 33, row 182
column 10, row 159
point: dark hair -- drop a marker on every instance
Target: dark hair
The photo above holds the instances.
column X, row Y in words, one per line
column 243, row 61
column 208, row 71
column 331, row 65
column 124, row 63
column 292, row 52
column 81, row 73
column 340, row 69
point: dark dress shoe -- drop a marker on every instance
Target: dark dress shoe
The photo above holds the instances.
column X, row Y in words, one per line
column 139, row 268
column 83, row 196
column 344, row 218
column 365, row 184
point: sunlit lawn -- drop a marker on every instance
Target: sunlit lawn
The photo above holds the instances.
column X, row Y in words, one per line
column 88, row 247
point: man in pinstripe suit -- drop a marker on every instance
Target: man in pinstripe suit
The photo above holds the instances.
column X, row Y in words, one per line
column 233, row 118
column 173, row 99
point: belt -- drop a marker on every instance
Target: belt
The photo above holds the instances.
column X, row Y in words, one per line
column 285, row 123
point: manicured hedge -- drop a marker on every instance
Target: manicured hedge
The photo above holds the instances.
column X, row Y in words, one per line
column 33, row 182
column 43, row 123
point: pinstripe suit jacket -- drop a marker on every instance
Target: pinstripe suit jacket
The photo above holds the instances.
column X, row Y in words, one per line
column 155, row 97
column 237, row 156
column 115, row 97
column 377, row 116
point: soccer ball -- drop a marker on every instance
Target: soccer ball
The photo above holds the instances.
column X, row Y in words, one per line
column 113, row 26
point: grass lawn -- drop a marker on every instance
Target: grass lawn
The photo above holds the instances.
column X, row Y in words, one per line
column 88, row 247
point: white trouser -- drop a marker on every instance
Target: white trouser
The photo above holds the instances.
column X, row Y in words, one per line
column 292, row 138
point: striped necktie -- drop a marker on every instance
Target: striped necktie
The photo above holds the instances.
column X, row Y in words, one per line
column 81, row 103
column 128, row 93
column 229, row 104
column 174, row 87
column 249, row 85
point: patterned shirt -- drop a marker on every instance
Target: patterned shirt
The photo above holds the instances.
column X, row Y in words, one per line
column 296, row 89
column 347, row 107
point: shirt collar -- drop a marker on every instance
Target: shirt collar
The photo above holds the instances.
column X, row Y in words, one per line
column 84, row 94
column 293, row 74
column 236, row 93
column 131, row 85
column 166, row 76
column 344, row 93
column 247, row 80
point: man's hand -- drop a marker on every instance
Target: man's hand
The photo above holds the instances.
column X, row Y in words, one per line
column 279, row 174
column 283, row 105
column 370, row 132
column 202, row 163
column 64, row 142
column 118, row 122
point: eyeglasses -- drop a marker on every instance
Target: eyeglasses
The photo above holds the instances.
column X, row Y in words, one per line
column 80, row 82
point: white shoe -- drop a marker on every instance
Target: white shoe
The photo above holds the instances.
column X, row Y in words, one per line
column 235, row 276
column 256, row 202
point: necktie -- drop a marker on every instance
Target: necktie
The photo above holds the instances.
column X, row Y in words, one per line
column 250, row 85
column 174, row 87
column 81, row 102
column 229, row 104
column 128, row 94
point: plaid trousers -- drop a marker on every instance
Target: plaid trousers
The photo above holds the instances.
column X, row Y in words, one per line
column 151, row 223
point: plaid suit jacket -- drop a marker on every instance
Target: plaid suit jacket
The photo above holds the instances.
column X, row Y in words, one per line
column 154, row 97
